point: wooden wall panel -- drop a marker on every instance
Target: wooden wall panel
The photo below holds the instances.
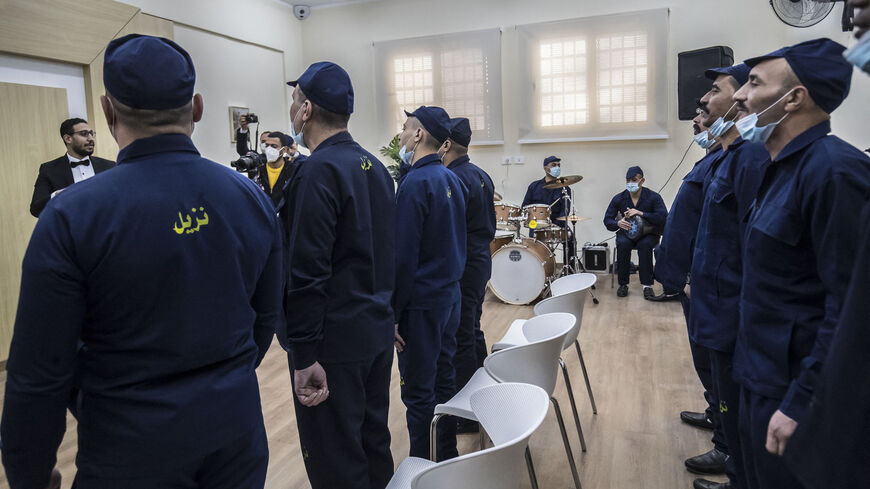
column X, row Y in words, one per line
column 31, row 117
column 140, row 24
column 73, row 31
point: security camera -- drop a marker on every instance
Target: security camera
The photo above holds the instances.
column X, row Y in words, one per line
column 301, row 11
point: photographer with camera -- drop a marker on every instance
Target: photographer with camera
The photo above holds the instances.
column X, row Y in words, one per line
column 282, row 157
column 242, row 134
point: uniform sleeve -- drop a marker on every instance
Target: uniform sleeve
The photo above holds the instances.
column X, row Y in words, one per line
column 830, row 211
column 528, row 198
column 659, row 213
column 266, row 300
column 311, row 238
column 41, row 193
column 42, row 357
column 411, row 211
column 242, row 142
column 611, row 213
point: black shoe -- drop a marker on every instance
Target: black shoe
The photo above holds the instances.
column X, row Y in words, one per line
column 705, row 484
column 698, row 420
column 465, row 426
column 712, row 462
column 665, row 296
column 648, row 293
column 622, row 291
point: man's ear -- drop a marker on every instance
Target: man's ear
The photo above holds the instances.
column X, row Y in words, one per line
column 108, row 111
column 197, row 108
column 800, row 97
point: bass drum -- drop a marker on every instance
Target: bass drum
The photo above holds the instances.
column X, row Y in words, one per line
column 501, row 238
column 520, row 271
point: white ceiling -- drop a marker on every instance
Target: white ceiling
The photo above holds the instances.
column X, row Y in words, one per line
column 318, row 4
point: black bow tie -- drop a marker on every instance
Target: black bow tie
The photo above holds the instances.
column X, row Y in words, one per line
column 86, row 162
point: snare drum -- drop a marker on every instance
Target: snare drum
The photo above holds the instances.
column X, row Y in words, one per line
column 501, row 238
column 520, row 271
column 506, row 215
column 537, row 216
column 552, row 235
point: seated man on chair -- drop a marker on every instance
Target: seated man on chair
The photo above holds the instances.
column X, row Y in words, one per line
column 636, row 200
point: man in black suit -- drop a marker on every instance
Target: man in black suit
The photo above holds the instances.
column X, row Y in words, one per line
column 76, row 165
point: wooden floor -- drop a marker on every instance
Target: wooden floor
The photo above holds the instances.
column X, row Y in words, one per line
column 641, row 372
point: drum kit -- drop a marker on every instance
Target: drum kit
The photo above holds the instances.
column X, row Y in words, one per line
column 523, row 267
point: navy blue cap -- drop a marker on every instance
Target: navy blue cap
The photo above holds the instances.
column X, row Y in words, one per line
column 147, row 72
column 460, row 131
column 435, row 120
column 550, row 159
column 820, row 66
column 327, row 85
column 738, row 72
column 285, row 139
column 635, row 170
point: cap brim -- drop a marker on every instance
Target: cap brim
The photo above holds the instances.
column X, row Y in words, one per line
column 408, row 114
column 751, row 62
column 293, row 83
column 714, row 73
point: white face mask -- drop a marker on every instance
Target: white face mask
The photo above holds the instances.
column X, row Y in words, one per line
column 262, row 147
column 272, row 154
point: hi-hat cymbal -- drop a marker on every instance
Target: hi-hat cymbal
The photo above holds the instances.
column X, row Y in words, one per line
column 496, row 196
column 573, row 218
column 560, row 182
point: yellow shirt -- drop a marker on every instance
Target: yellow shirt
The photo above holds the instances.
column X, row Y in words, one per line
column 273, row 174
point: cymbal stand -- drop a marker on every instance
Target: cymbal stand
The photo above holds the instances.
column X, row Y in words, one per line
column 575, row 265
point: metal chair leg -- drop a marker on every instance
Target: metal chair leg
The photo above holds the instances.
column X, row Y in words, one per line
column 573, row 404
column 586, row 377
column 531, row 467
column 433, row 437
column 567, row 443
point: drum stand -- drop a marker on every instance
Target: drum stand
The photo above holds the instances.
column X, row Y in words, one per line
column 571, row 264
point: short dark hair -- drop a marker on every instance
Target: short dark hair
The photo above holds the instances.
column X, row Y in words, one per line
column 333, row 120
column 147, row 120
column 285, row 139
column 66, row 127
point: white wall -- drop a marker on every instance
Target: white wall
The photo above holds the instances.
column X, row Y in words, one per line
column 230, row 72
column 43, row 73
column 345, row 35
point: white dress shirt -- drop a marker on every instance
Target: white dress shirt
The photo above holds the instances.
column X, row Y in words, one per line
column 80, row 172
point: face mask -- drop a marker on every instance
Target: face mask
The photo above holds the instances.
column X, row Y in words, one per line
column 297, row 136
column 555, row 171
column 751, row 133
column 296, row 155
column 262, row 147
column 703, row 140
column 272, row 154
column 720, row 127
column 859, row 54
column 407, row 156
column 632, row 187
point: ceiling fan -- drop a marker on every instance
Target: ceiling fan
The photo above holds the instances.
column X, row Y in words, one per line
column 806, row 13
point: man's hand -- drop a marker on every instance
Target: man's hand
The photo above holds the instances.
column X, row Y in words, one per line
column 623, row 224
column 243, row 122
column 629, row 213
column 779, row 430
column 399, row 342
column 311, row 388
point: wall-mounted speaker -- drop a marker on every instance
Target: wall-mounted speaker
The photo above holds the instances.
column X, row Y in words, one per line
column 691, row 82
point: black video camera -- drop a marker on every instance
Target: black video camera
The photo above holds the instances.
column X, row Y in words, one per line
column 250, row 164
column 252, row 118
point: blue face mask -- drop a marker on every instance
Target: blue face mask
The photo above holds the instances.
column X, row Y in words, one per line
column 297, row 136
column 720, row 127
column 407, row 156
column 859, row 54
column 751, row 132
column 703, row 140
column 632, row 187
column 555, row 171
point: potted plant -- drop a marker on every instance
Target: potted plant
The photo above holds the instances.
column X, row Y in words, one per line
column 392, row 151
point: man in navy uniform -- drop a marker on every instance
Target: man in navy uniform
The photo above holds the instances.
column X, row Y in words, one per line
column 635, row 200
column 716, row 264
column 430, row 259
column 154, row 289
column 537, row 194
column 799, row 244
column 829, row 449
column 480, row 231
column 339, row 225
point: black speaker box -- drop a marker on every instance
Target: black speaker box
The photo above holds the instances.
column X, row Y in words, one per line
column 691, row 82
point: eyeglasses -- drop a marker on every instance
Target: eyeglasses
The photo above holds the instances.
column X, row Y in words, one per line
column 85, row 133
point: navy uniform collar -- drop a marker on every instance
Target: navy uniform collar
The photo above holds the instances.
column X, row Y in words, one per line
column 162, row 143
column 426, row 160
column 338, row 138
column 804, row 139
column 735, row 144
column 459, row 162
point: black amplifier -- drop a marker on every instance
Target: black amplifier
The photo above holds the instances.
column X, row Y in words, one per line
column 596, row 258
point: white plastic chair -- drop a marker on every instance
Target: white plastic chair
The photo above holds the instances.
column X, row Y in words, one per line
column 510, row 413
column 533, row 363
column 571, row 283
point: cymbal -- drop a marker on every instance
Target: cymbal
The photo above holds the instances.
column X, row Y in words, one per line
column 496, row 196
column 573, row 218
column 564, row 181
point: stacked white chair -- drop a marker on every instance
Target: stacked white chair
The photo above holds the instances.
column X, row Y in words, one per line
column 509, row 413
column 536, row 363
column 569, row 295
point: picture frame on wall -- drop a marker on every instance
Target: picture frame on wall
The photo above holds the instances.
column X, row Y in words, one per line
column 235, row 114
